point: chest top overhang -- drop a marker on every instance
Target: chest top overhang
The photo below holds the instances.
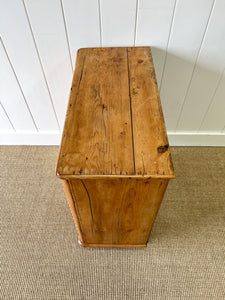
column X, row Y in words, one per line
column 114, row 125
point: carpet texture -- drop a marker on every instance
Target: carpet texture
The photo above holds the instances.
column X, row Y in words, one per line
column 41, row 259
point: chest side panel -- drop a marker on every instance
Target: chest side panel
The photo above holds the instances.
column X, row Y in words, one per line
column 117, row 211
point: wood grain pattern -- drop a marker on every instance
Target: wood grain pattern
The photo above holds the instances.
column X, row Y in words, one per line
column 114, row 152
column 117, row 211
column 73, row 208
column 101, row 137
column 151, row 148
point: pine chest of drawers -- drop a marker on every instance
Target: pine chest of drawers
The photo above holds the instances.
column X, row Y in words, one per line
column 114, row 160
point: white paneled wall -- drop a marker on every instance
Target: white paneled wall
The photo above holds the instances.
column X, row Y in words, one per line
column 47, row 25
column 154, row 23
column 118, row 22
column 82, row 22
column 38, row 44
column 21, row 49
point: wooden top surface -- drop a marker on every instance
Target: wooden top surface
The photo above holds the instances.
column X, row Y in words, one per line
column 114, row 124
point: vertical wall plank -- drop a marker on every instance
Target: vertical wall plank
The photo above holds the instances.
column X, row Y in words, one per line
column 187, row 32
column 209, row 68
column 214, row 119
column 153, row 28
column 48, row 27
column 82, row 22
column 17, row 38
column 11, row 96
column 5, row 124
column 118, row 22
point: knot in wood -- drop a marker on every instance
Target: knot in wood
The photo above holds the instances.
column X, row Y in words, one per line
column 162, row 149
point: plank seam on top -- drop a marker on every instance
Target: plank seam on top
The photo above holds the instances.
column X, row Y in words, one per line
column 81, row 76
column 131, row 118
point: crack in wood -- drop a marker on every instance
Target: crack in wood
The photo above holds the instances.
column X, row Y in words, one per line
column 103, row 108
column 79, row 225
column 89, row 199
column 131, row 118
column 143, row 165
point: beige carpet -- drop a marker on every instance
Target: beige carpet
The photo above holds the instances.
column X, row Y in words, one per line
column 41, row 259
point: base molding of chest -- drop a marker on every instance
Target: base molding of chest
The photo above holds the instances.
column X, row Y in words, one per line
column 110, row 245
